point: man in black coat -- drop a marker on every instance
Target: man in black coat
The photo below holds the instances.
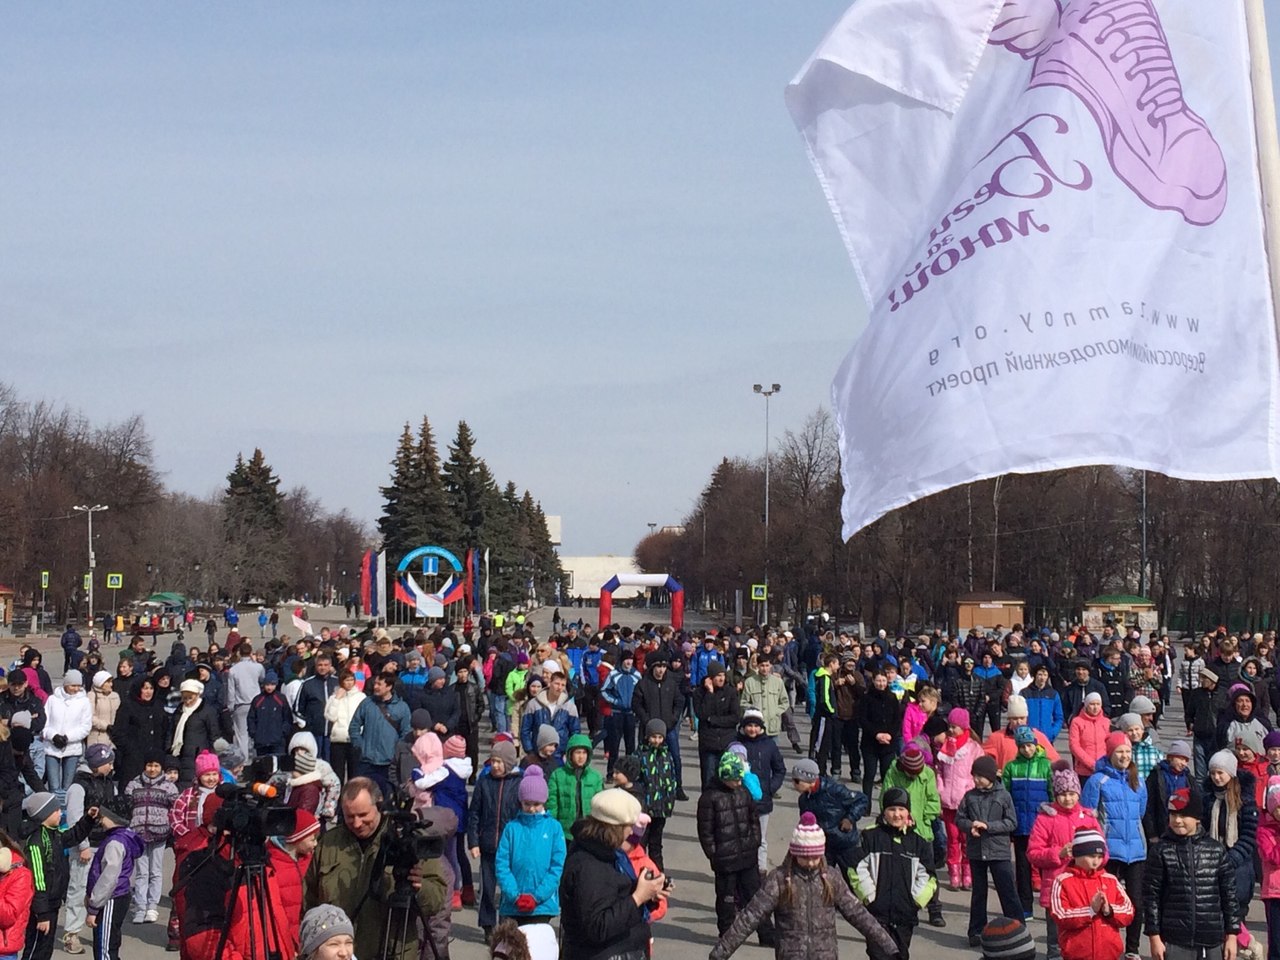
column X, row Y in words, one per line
column 313, row 695
column 658, row 697
column 441, row 701
column 718, row 710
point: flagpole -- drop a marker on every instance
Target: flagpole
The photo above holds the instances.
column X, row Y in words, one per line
column 1264, row 118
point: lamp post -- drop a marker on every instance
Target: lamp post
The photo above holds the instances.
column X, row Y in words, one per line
column 759, row 388
column 89, row 512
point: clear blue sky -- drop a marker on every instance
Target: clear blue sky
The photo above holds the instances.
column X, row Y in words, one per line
column 585, row 228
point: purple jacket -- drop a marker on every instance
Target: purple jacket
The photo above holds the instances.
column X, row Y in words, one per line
column 112, row 867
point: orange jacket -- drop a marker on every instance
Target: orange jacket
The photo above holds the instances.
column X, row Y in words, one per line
column 640, row 862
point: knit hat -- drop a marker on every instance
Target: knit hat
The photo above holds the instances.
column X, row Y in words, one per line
column 731, row 767
column 38, row 806
column 985, row 767
column 455, row 747
column 1186, row 802
column 98, row 755
column 630, row 767
column 21, row 719
column 808, row 839
column 270, row 677
column 616, row 807
column 1094, row 697
column 304, row 762
column 533, row 785
column 1225, row 761
column 119, row 819
column 1249, row 737
column 206, row 762
column 1064, row 779
column 752, row 715
column 1005, row 939
column 304, row 824
column 1272, row 739
column 1180, row 748
column 506, row 752
column 1208, row 675
column 911, row 759
column 192, row 686
column 420, row 719
column 1024, row 735
column 100, row 678
column 1017, row 707
column 434, row 674
column 934, row 726
column 959, row 717
column 73, row 677
column 553, row 666
column 1141, row 705
column 895, row 797
column 655, row 727
column 502, row 736
column 319, row 925
column 1086, row 841
column 547, row 735
column 1127, row 721
column 715, row 668
column 805, row 771
column 1114, row 741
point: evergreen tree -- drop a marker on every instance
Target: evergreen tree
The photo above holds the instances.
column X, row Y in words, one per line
column 437, row 520
column 400, row 498
column 256, row 558
column 465, row 476
column 253, row 496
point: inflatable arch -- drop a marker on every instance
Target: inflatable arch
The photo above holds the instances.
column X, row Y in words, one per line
column 643, row 580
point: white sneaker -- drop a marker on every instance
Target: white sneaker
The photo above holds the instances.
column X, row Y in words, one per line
column 139, row 918
column 152, row 915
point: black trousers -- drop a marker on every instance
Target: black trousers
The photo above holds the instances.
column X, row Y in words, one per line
column 39, row 946
column 107, row 934
column 342, row 759
column 849, row 739
column 653, row 841
column 1130, row 877
column 734, row 887
column 1006, row 892
column 875, row 757
column 618, row 726
column 901, row 936
column 1022, row 871
column 826, row 744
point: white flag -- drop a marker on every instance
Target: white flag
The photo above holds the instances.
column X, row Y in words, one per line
column 1054, row 212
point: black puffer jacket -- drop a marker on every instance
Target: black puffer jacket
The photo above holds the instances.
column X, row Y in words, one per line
column 1189, row 895
column 892, row 876
column 719, row 712
column 598, row 918
column 728, row 827
column 970, row 693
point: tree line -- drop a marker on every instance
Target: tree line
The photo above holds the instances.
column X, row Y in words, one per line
column 1054, row 539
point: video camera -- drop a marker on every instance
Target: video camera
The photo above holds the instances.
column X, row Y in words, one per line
column 247, row 814
column 408, row 840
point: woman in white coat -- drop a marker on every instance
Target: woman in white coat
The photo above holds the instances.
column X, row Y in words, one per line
column 69, row 718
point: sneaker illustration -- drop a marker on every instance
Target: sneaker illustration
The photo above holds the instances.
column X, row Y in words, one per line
column 1114, row 56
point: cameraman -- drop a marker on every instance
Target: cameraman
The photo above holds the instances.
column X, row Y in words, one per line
column 342, row 872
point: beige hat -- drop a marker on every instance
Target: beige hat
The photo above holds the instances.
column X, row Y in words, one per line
column 615, row 806
column 1017, row 706
column 192, row 686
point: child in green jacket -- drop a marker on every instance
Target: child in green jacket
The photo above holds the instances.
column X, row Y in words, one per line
column 572, row 786
column 909, row 772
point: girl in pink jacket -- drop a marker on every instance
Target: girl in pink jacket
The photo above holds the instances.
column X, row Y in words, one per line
column 1269, row 854
column 954, row 767
column 1049, row 846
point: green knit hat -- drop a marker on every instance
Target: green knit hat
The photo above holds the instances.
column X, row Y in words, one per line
column 731, row 767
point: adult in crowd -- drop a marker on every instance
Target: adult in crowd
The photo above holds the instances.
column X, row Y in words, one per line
column 69, row 720
column 380, row 721
column 881, row 722
column 1075, row 693
column 194, row 728
column 719, row 711
column 140, row 730
column 104, row 702
column 17, row 698
column 313, row 695
column 441, row 702
column 604, row 906
column 350, row 870
column 244, row 683
column 338, row 712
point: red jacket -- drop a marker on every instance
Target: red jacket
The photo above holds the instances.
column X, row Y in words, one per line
column 1055, row 828
column 17, row 889
column 285, row 883
column 1082, row 934
column 1001, row 748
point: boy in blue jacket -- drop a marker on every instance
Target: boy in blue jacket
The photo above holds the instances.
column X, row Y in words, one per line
column 1044, row 705
column 494, row 803
column 270, row 719
column 107, row 900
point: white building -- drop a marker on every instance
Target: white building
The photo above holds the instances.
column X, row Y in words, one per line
column 586, row 575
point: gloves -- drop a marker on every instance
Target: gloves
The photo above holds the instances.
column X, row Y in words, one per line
column 60, row 741
column 525, row 903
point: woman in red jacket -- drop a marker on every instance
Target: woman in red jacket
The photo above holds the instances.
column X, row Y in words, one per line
column 1049, row 847
column 17, row 889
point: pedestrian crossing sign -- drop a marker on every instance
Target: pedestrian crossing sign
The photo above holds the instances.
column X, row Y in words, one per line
column 115, row 581
column 759, row 591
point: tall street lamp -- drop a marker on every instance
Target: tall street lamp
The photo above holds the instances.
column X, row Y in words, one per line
column 89, row 511
column 759, row 388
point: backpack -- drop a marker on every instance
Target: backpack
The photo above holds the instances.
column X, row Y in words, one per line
column 502, row 667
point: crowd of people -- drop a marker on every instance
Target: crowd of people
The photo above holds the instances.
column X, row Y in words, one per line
column 479, row 767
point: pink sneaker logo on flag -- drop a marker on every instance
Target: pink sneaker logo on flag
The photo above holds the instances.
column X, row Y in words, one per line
column 1114, row 56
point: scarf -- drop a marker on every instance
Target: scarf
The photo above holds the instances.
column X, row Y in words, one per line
column 180, row 729
column 1223, row 827
column 955, row 744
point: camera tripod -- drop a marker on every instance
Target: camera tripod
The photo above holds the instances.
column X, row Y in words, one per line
column 403, row 909
column 250, row 875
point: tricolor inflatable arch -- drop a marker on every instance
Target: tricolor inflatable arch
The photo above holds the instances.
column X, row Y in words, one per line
column 643, row 580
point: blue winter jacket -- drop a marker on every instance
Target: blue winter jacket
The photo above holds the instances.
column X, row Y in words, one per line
column 564, row 720
column 619, row 687
column 372, row 735
column 699, row 662
column 832, row 802
column 1044, row 710
column 1120, row 809
column 494, row 804
column 589, row 668
column 530, row 860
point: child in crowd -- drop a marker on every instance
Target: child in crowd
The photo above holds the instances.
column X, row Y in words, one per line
column 45, row 854
column 628, row 775
column 494, row 803
column 1269, row 854
column 1049, row 848
column 1251, row 758
column 729, row 833
column 184, row 816
column 1231, row 818
column 107, row 898
column 1087, row 905
column 530, row 857
column 987, row 819
column 151, row 796
column 572, row 786
column 750, row 782
column 546, row 752
column 954, row 763
column 660, row 787
column 425, row 757
column 1119, row 797
column 893, row 876
column 1170, row 774
column 803, row 895
column 270, row 719
column 1185, row 902
column 451, row 793
column 1027, row 778
column 909, row 773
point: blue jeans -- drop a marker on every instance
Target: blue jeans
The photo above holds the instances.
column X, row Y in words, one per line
column 378, row 773
column 37, row 757
column 59, row 772
column 498, row 712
